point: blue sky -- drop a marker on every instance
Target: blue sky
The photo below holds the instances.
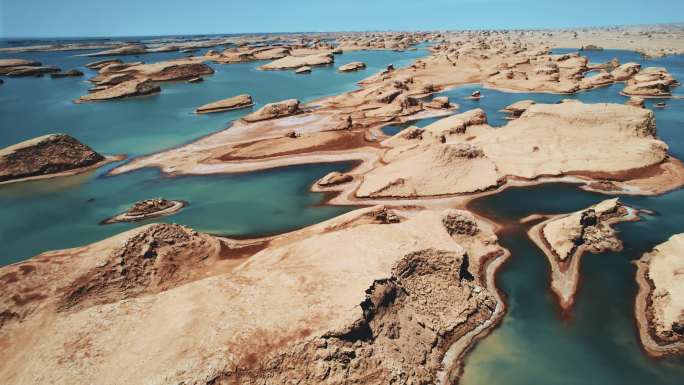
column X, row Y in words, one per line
column 67, row 18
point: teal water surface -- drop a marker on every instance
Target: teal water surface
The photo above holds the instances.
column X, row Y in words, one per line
column 65, row 212
column 595, row 344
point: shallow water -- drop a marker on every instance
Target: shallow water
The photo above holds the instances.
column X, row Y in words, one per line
column 597, row 344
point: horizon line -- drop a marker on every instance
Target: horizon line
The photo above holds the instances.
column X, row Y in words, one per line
column 339, row 31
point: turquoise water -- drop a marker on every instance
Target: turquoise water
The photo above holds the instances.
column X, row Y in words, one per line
column 596, row 344
column 65, row 212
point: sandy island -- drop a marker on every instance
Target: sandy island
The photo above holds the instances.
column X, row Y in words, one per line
column 565, row 238
column 49, row 156
column 659, row 308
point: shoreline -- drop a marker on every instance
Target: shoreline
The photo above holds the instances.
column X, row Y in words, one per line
column 643, row 315
column 565, row 274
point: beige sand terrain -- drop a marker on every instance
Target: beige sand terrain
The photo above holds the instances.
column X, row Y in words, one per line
column 48, row 156
column 461, row 154
column 381, row 302
column 149, row 208
column 565, row 238
column 659, row 306
column 117, row 80
column 294, row 62
column 650, row 40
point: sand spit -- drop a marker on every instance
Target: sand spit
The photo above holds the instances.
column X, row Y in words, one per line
column 294, row 62
column 565, row 238
column 377, row 295
column 659, row 308
column 48, row 156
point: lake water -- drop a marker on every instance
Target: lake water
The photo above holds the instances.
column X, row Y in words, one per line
column 596, row 343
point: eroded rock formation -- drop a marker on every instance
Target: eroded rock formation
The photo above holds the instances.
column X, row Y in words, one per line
column 356, row 298
column 45, row 155
column 660, row 302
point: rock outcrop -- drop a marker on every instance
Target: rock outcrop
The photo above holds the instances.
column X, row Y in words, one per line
column 70, row 73
column 358, row 298
column 22, row 71
column 353, row 66
column 565, row 238
column 126, row 89
column 293, row 62
column 334, row 178
column 453, row 169
column 274, row 110
column 129, row 49
column 233, row 103
column 149, row 208
column 45, row 155
column 660, row 302
column 516, row 109
column 651, row 81
column 303, row 70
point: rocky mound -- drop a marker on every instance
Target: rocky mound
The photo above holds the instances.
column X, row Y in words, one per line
column 44, row 155
column 30, row 71
column 334, row 178
column 565, row 238
column 70, row 73
column 130, row 49
column 293, row 62
column 125, row 89
column 303, row 70
column 236, row 102
column 585, row 229
column 651, row 81
column 353, row 66
column 553, row 139
column 10, row 65
column 435, row 169
column 356, row 298
column 660, row 302
column 274, row 111
column 4, row 63
column 149, row 208
column 516, row 109
column 151, row 259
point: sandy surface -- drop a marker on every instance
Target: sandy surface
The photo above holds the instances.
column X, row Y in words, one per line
column 659, row 306
column 351, row 284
